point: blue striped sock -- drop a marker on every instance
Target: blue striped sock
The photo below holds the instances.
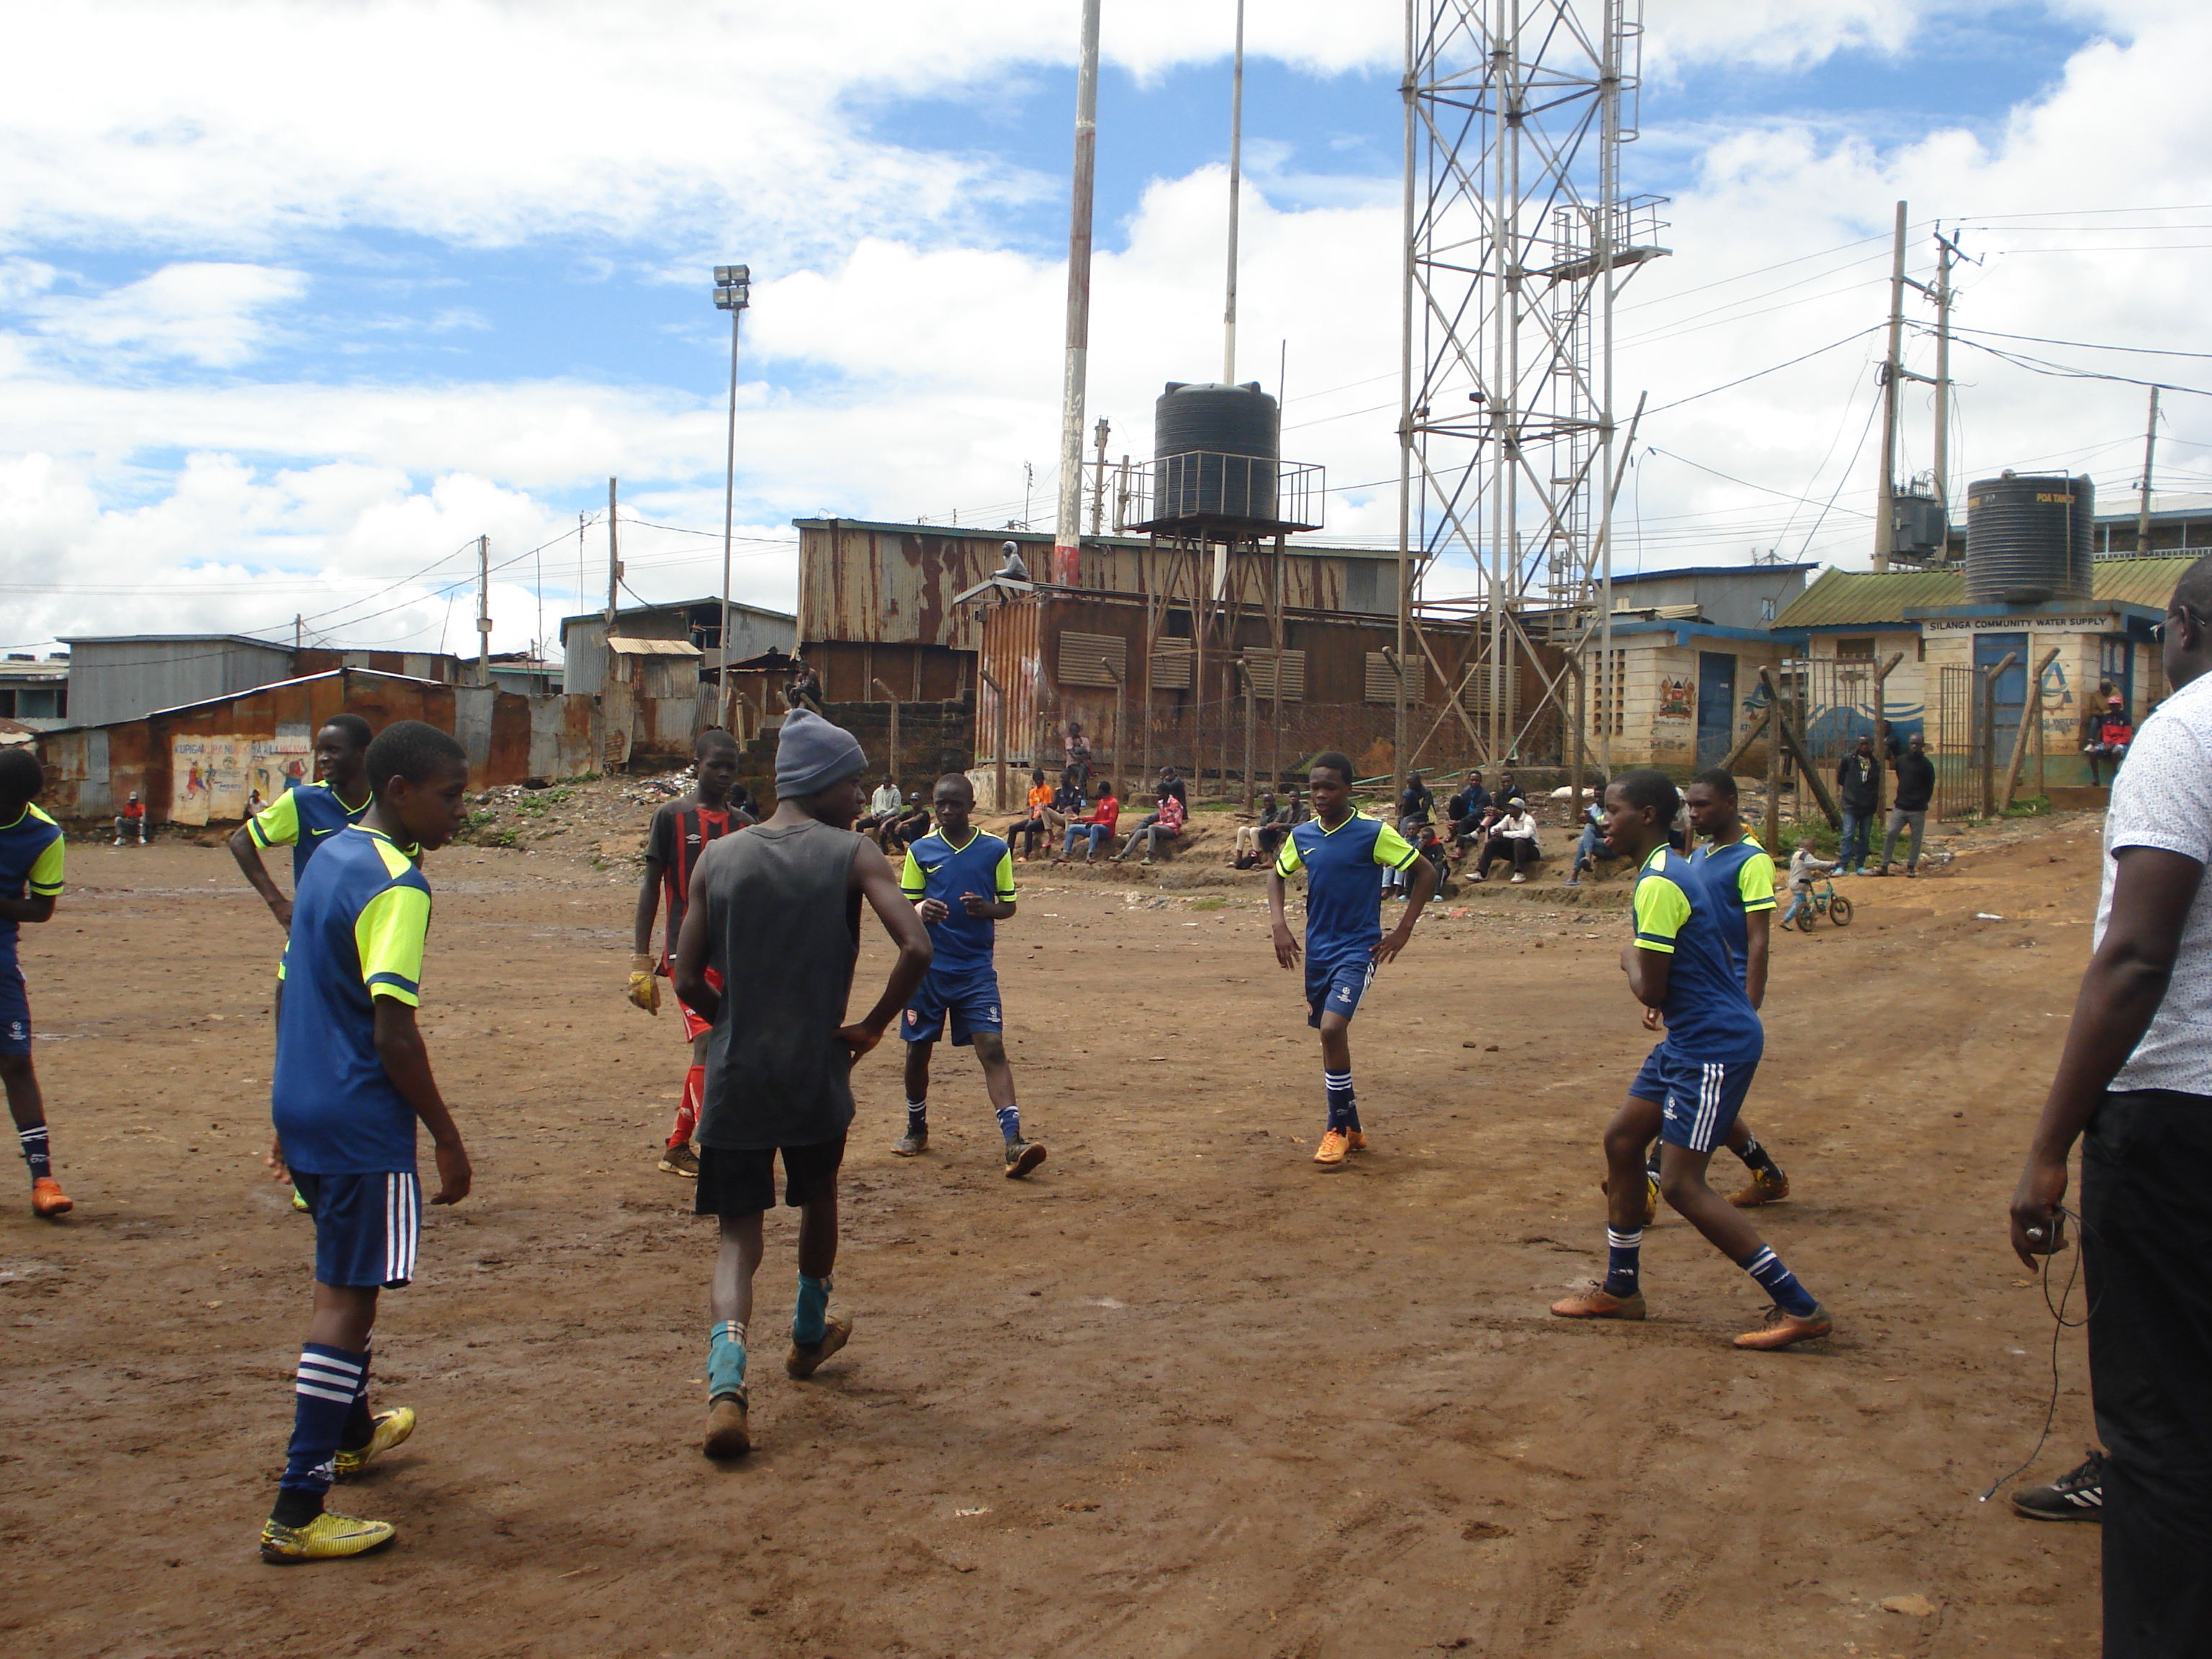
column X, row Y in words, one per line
column 1623, row 1255
column 1779, row 1282
column 322, row 1397
column 917, row 1117
column 34, row 1142
column 1010, row 1122
column 1342, row 1113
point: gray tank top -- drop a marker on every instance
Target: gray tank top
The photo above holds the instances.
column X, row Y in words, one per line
column 783, row 929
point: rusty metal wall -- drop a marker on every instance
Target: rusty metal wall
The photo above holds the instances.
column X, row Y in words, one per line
column 895, row 584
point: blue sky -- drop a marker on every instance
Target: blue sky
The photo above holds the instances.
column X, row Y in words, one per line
column 267, row 344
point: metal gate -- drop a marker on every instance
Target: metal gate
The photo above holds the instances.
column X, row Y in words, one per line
column 1956, row 748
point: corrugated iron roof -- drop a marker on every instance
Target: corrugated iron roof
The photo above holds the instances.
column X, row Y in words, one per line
column 1867, row 599
column 628, row 648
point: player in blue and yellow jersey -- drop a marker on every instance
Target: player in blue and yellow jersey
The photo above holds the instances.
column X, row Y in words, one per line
column 1692, row 1084
column 962, row 882
column 1344, row 854
column 30, row 882
column 353, row 1078
column 304, row 817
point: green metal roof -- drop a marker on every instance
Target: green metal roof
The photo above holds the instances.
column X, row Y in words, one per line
column 1867, row 599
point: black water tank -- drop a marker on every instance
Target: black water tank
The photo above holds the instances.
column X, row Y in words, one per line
column 1214, row 451
column 2029, row 539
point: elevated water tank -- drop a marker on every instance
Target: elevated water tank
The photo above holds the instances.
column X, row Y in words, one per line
column 1215, row 453
column 2029, row 539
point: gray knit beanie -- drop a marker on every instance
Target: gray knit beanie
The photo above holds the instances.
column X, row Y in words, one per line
column 812, row 754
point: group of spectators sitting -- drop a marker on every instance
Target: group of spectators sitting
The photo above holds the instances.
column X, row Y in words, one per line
column 892, row 821
column 1091, row 818
column 1487, row 825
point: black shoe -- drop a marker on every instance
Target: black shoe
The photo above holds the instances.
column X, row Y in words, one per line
column 2076, row 1495
column 1022, row 1156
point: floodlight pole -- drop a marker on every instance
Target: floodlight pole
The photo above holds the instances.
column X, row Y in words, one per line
column 1236, row 187
column 732, row 294
column 1068, row 529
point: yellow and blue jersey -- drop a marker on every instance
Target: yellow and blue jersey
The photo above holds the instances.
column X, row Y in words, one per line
column 1742, row 878
column 936, row 869
column 30, row 867
column 358, row 922
column 1708, row 1016
column 1344, row 871
column 302, row 819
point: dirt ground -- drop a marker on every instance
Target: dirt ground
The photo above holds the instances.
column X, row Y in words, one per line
column 1182, row 1393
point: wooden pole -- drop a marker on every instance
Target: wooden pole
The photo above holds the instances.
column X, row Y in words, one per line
column 2034, row 702
column 1881, row 732
column 893, row 697
column 1734, row 757
column 1988, row 746
column 1805, row 766
column 1770, row 725
column 1247, row 667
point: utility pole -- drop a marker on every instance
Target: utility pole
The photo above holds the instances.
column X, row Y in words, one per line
column 1236, row 187
column 1098, row 495
column 1068, row 529
column 1885, row 519
column 299, row 630
column 2143, row 502
column 614, row 557
column 1946, row 250
column 733, row 292
column 484, row 611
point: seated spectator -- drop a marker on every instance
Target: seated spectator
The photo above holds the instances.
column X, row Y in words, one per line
column 1032, row 828
column 1417, row 805
column 1297, row 812
column 1098, row 829
column 1164, row 825
column 1076, row 749
column 1172, row 784
column 1067, row 806
column 909, row 827
column 1513, row 836
column 130, row 821
column 1591, row 844
column 2109, row 738
column 1465, row 809
column 883, row 806
column 1508, row 789
column 1251, row 838
column 1424, row 837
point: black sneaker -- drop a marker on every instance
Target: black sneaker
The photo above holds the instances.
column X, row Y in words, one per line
column 2076, row 1495
column 1022, row 1156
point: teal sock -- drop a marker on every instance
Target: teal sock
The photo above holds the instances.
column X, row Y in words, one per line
column 810, row 1321
column 725, row 1360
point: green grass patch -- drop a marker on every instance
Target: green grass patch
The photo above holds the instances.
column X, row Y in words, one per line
column 1214, row 903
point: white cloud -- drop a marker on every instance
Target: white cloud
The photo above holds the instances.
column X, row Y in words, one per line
column 207, row 313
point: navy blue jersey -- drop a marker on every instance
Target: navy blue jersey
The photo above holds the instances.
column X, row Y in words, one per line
column 1708, row 1016
column 358, row 924
column 936, row 869
column 1742, row 878
column 1344, row 883
column 31, row 855
column 302, row 819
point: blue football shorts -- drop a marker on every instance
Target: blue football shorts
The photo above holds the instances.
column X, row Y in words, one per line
column 1336, row 990
column 971, row 998
column 366, row 1226
column 14, row 1011
column 1699, row 1097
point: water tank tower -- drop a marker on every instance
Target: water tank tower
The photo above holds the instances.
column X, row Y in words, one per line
column 2029, row 539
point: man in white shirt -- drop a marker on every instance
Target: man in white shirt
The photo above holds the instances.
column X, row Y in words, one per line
column 2134, row 1086
column 1513, row 836
column 884, row 808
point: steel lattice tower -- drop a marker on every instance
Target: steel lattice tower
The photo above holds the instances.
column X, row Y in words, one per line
column 1518, row 241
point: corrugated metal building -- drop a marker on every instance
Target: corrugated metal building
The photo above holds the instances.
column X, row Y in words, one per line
column 876, row 611
column 196, row 763
column 695, row 622
column 124, row 677
column 35, row 693
column 446, row 669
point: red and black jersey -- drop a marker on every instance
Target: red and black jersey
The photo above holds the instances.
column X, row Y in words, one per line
column 680, row 833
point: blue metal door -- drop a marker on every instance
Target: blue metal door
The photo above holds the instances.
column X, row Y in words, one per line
column 1716, row 706
column 1990, row 650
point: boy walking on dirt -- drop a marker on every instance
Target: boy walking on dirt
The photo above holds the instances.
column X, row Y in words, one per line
column 765, row 955
column 30, row 881
column 961, row 882
column 682, row 828
column 305, row 816
column 1343, row 855
column 1692, row 1085
column 353, row 1078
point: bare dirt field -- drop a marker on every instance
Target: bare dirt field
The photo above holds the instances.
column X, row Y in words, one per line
column 1182, row 1393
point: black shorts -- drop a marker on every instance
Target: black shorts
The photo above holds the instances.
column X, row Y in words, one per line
column 744, row 1184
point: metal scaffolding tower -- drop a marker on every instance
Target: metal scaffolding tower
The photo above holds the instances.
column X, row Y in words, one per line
column 1518, row 243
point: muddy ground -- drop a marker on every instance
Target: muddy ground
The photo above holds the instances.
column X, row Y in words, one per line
column 1182, row 1393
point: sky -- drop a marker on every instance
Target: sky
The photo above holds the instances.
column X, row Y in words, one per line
column 297, row 300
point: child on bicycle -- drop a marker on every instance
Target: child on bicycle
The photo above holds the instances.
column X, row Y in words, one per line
column 1804, row 865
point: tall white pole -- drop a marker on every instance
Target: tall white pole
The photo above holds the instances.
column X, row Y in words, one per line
column 1067, row 530
column 729, row 520
column 1236, row 190
column 1405, row 417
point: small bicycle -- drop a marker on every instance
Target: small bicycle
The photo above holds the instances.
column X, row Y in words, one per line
column 1822, row 901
